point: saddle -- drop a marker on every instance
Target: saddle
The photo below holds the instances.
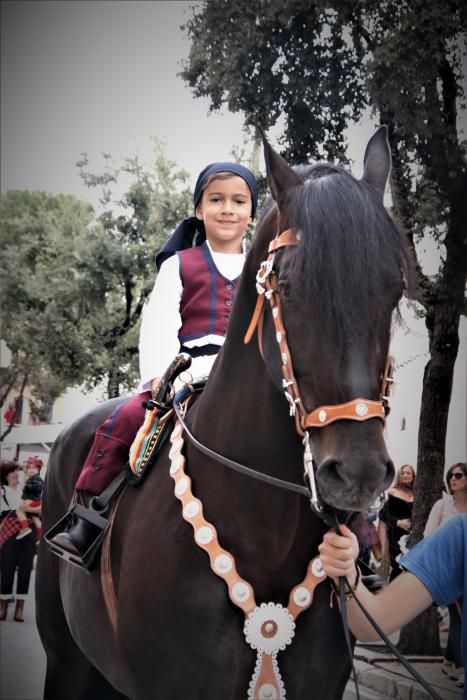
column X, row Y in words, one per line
column 143, row 454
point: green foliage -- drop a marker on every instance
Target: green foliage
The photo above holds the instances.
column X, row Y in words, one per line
column 74, row 282
column 313, row 67
column 139, row 207
column 273, row 58
column 44, row 309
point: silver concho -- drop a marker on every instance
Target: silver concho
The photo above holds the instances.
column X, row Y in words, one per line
column 269, row 628
column 361, row 409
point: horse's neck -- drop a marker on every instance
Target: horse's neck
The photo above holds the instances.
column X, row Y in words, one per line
column 242, row 416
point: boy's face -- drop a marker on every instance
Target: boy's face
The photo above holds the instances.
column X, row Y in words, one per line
column 225, row 209
column 31, row 470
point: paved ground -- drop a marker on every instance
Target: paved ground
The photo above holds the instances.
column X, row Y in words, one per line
column 22, row 667
column 22, row 658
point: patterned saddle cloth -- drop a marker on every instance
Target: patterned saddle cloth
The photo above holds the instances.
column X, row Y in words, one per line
column 149, row 440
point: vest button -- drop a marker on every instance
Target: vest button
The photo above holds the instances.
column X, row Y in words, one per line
column 228, row 302
column 97, row 466
column 229, row 286
column 100, row 453
column 226, row 317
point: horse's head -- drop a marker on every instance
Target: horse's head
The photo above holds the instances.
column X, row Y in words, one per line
column 338, row 286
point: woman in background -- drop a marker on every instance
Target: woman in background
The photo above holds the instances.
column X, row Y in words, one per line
column 396, row 515
column 14, row 554
column 451, row 504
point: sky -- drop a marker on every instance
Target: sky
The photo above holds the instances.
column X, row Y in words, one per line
column 98, row 77
column 101, row 76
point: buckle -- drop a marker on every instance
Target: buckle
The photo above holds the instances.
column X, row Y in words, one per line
column 100, row 526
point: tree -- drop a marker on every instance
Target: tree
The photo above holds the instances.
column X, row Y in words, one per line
column 46, row 301
column 134, row 226
column 74, row 282
column 319, row 65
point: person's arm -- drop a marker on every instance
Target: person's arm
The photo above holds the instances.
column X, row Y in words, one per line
column 26, row 507
column 397, row 604
column 158, row 340
column 434, row 519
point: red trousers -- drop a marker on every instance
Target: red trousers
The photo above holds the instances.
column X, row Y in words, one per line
column 110, row 449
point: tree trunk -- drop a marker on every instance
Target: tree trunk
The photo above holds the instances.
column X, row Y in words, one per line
column 421, row 636
column 113, row 384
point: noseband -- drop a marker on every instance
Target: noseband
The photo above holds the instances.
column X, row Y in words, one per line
column 358, row 409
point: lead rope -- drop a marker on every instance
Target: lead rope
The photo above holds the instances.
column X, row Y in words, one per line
column 413, row 671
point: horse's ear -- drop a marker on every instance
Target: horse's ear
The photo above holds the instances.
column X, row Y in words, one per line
column 377, row 160
column 281, row 177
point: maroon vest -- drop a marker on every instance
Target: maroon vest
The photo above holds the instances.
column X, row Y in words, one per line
column 207, row 295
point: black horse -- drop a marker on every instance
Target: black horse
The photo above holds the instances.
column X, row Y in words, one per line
column 177, row 634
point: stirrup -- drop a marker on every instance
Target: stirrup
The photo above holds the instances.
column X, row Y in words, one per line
column 94, row 515
column 91, row 516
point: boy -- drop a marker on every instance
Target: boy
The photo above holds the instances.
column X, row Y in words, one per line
column 31, row 498
column 188, row 310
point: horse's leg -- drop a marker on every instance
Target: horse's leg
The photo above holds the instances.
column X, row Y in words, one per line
column 69, row 673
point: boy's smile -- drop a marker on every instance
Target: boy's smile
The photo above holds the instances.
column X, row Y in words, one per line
column 225, row 209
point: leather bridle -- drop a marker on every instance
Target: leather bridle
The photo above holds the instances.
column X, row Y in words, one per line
column 359, row 409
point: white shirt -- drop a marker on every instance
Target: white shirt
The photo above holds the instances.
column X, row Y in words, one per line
column 442, row 511
column 13, row 496
column 161, row 320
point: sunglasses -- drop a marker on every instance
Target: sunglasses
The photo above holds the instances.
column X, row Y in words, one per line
column 456, row 475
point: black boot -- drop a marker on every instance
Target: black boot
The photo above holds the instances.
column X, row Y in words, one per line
column 77, row 539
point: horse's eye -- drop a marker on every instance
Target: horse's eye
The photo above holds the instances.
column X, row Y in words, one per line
column 284, row 290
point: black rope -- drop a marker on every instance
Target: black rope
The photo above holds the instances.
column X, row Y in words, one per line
column 345, row 624
column 236, row 466
column 413, row 671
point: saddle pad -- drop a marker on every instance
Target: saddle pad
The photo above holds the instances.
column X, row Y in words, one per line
column 147, row 442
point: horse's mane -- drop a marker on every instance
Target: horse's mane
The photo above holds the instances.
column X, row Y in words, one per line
column 350, row 250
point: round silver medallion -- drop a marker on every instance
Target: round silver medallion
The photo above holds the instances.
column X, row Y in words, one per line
column 191, row 509
column 223, row 564
column 267, row 692
column 177, row 462
column 317, row 568
column 269, row 628
column 302, row 597
column 181, row 486
column 204, row 535
column 361, row 409
column 240, row 592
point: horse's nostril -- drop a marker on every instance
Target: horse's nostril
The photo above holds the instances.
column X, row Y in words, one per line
column 390, row 470
column 330, row 467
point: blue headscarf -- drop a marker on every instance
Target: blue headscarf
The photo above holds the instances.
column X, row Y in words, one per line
column 184, row 235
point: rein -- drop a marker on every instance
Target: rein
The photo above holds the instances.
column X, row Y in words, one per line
column 236, row 466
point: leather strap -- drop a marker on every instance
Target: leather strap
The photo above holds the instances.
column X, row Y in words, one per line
column 107, row 584
column 358, row 409
column 287, row 237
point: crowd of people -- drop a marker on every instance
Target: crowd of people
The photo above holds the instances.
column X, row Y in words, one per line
column 381, row 539
column 20, row 531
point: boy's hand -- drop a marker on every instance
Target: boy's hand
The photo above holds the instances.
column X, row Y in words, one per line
column 338, row 554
